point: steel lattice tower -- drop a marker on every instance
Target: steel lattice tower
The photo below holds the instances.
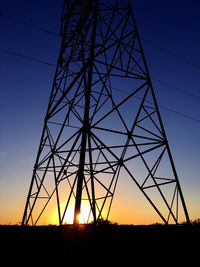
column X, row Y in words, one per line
column 102, row 122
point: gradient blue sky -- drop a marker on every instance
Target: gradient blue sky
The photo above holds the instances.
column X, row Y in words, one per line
column 25, row 87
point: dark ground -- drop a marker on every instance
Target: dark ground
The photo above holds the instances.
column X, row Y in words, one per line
column 106, row 245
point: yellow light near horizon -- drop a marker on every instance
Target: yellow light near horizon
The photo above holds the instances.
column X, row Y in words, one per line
column 69, row 216
column 80, row 218
column 85, row 215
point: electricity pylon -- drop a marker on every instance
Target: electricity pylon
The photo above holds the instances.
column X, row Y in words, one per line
column 102, row 122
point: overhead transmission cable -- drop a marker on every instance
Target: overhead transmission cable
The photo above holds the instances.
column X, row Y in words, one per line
column 145, row 40
column 162, row 107
column 171, row 54
column 29, row 25
column 149, row 42
column 26, row 57
column 114, row 88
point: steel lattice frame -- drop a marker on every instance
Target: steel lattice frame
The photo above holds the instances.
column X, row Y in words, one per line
column 102, row 121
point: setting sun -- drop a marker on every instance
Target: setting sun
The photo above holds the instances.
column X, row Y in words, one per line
column 85, row 215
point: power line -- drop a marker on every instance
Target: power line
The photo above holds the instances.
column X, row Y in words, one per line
column 179, row 113
column 25, row 57
column 175, row 87
column 54, row 65
column 117, row 89
column 171, row 54
column 147, row 41
column 29, row 25
column 163, row 107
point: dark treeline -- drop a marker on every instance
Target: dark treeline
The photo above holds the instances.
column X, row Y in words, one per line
column 113, row 242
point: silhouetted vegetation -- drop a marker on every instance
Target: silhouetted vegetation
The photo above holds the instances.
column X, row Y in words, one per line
column 196, row 222
column 102, row 222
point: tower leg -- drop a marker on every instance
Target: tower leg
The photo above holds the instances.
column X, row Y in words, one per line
column 86, row 122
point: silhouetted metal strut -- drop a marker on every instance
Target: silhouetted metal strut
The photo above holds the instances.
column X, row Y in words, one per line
column 86, row 126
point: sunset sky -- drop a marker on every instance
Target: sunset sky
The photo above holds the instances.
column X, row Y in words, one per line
column 169, row 32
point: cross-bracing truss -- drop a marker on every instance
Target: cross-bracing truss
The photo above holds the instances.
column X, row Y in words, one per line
column 102, row 121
